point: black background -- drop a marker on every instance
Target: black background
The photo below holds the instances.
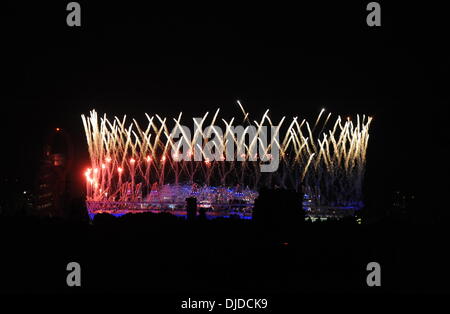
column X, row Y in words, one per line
column 127, row 58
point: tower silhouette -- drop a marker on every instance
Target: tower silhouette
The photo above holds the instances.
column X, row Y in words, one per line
column 53, row 181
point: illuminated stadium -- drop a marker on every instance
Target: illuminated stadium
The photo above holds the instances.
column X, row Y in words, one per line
column 145, row 168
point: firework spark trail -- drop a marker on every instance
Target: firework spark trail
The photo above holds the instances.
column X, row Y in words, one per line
column 128, row 160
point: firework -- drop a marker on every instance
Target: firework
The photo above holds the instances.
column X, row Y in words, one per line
column 134, row 163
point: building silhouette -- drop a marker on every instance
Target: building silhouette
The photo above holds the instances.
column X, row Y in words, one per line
column 53, row 186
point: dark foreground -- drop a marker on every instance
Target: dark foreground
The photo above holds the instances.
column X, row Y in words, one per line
column 165, row 254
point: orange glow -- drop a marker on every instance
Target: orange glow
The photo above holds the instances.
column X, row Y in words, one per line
column 58, row 129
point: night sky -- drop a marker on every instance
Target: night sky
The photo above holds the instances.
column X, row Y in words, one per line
column 128, row 59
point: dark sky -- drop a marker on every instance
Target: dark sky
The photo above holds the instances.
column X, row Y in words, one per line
column 294, row 60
